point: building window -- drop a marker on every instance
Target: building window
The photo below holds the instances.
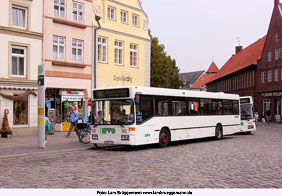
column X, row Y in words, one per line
column 247, row 80
column 262, row 77
column 118, row 52
column 77, row 12
column 276, row 75
column 269, row 56
column 102, row 49
column 276, row 54
column 253, row 78
column 18, row 61
column 266, row 105
column 77, row 50
column 59, row 8
column 123, row 15
column 111, row 13
column 58, row 48
column 135, row 19
column 133, row 55
column 280, row 52
column 20, row 111
column 276, row 37
column 19, row 17
column 269, row 76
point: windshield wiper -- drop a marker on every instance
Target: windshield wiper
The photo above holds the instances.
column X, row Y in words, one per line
column 120, row 124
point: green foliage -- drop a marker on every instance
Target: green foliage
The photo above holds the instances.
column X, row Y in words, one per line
column 164, row 72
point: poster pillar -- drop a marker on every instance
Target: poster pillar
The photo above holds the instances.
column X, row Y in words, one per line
column 41, row 107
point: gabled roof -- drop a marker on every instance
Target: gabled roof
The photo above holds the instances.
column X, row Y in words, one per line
column 190, row 77
column 202, row 81
column 247, row 57
column 213, row 68
column 205, row 78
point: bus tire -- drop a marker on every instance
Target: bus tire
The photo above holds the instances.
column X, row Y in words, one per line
column 164, row 138
column 218, row 132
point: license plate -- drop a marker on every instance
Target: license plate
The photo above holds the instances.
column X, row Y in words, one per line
column 108, row 142
column 250, row 126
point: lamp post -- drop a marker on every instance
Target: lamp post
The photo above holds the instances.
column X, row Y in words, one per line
column 95, row 36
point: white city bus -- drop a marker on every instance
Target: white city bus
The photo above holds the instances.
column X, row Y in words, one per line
column 248, row 122
column 144, row 115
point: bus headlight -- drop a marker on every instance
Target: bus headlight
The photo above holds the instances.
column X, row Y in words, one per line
column 125, row 137
column 94, row 136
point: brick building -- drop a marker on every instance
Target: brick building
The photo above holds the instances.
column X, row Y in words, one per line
column 269, row 69
column 237, row 75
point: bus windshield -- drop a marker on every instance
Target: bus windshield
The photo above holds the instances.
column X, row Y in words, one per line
column 113, row 112
column 247, row 112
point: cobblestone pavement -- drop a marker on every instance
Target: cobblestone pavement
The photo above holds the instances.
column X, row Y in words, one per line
column 237, row 161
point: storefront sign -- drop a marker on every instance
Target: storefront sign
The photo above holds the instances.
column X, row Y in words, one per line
column 66, row 126
column 77, row 93
column 273, row 94
column 278, row 118
column 72, row 98
column 123, row 78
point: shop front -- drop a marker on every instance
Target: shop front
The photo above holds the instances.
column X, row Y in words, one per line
column 272, row 101
column 59, row 103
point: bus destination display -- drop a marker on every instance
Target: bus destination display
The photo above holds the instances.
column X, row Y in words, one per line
column 245, row 100
column 111, row 93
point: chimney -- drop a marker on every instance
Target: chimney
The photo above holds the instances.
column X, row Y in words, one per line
column 238, row 49
column 276, row 2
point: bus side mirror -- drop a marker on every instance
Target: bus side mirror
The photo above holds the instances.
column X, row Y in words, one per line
column 137, row 99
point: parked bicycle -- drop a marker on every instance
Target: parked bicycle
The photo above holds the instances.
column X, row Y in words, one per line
column 84, row 133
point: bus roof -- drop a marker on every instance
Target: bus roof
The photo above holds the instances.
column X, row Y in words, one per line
column 175, row 92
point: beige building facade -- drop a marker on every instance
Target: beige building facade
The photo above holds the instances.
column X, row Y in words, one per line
column 123, row 44
column 21, row 53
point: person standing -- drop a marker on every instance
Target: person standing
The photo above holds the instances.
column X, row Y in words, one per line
column 263, row 118
column 47, row 126
column 268, row 116
column 74, row 114
column 256, row 118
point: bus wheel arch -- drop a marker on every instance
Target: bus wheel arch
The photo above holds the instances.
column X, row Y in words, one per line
column 164, row 137
column 218, row 131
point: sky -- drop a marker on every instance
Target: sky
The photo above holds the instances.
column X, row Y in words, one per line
column 196, row 32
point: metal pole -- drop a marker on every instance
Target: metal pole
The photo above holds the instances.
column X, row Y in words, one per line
column 41, row 107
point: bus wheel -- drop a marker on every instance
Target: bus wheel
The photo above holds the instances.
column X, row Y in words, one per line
column 164, row 138
column 218, row 132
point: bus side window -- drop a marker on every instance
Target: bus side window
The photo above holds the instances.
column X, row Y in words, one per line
column 146, row 107
column 163, row 106
column 227, row 107
column 193, row 108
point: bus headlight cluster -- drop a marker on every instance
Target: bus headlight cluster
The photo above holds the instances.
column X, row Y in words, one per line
column 125, row 137
column 94, row 136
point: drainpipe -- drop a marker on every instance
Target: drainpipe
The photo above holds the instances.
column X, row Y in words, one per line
column 95, row 35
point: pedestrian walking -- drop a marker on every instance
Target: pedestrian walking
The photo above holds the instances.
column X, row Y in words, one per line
column 268, row 116
column 74, row 114
column 47, row 126
column 263, row 118
column 256, row 118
